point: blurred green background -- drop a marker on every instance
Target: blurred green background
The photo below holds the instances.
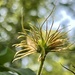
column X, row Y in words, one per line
column 35, row 11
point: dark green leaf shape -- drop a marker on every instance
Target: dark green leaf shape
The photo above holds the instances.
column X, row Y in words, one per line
column 3, row 52
column 2, row 68
column 5, row 73
column 20, row 71
column 6, row 55
column 25, row 72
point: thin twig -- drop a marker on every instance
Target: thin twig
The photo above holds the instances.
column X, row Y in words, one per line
column 68, row 69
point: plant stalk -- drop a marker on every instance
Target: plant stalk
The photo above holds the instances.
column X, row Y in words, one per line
column 41, row 66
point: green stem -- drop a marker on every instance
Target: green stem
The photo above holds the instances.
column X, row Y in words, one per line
column 41, row 65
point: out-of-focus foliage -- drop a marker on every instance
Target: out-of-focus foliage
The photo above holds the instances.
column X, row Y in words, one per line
column 6, row 55
column 10, row 25
column 21, row 71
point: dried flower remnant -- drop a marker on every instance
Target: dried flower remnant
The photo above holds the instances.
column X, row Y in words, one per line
column 37, row 42
column 34, row 41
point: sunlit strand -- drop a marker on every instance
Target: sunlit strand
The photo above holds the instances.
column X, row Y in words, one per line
column 23, row 56
column 25, row 53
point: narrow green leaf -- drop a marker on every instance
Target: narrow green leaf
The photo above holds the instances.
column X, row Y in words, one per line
column 5, row 73
column 25, row 72
column 20, row 71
